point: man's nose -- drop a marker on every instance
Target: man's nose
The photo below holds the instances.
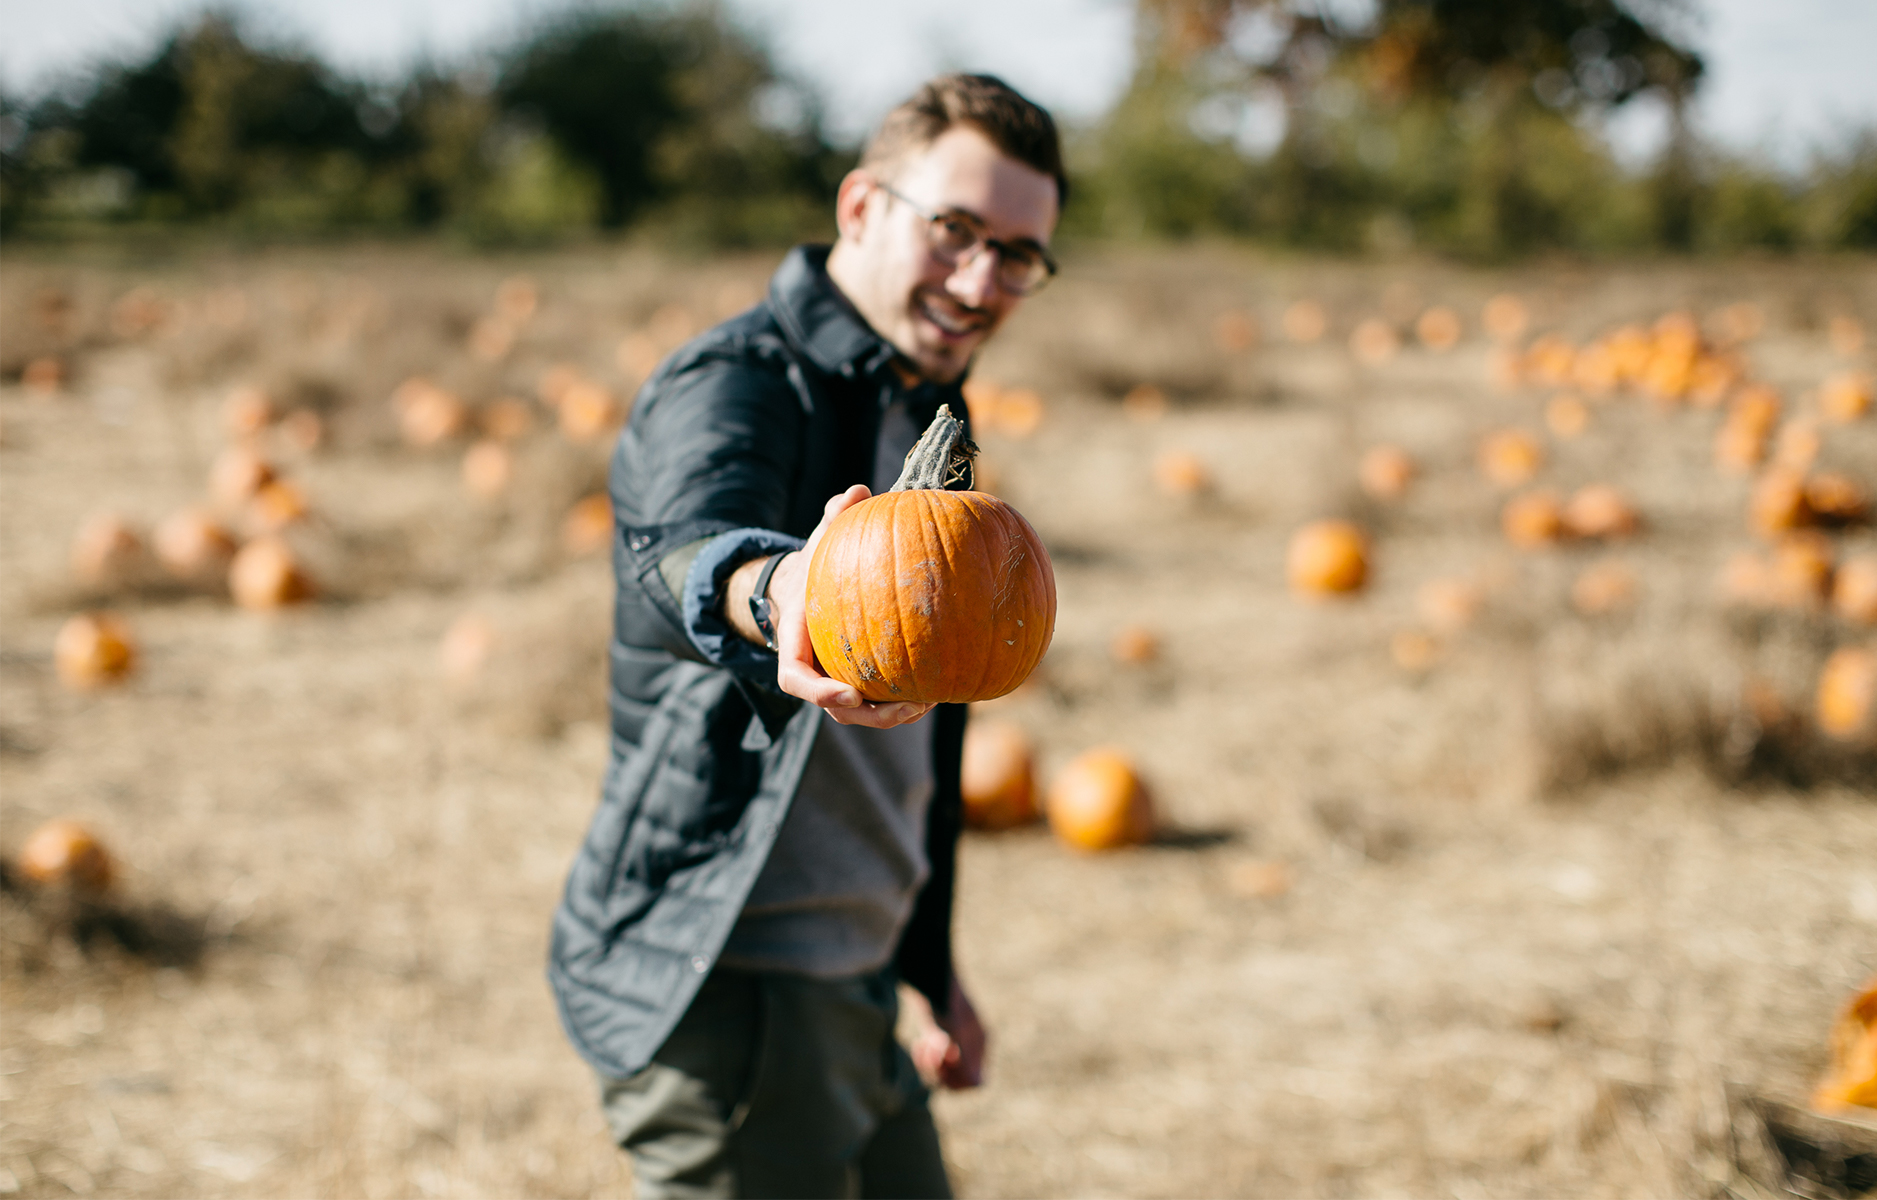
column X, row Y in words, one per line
column 974, row 280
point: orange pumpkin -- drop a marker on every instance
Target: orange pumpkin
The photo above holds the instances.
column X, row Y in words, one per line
column 1385, row 472
column 487, row 468
column 465, row 647
column 1532, row 520
column 266, row 575
column 1598, row 510
column 43, row 376
column 1852, row 1079
column 238, row 474
column 1144, row 402
column 1327, row 558
column 998, row 776
column 303, row 430
column 1182, row 473
column 1845, row 397
column 247, row 412
column 1374, row 341
column 1797, row 445
column 1236, row 331
column 278, row 505
column 1134, row 645
column 1777, row 503
column 1509, row 457
column 929, row 595
column 588, row 526
column 1854, row 590
column 1799, row 576
column 1438, row 329
column 587, row 412
column 192, row 545
column 1098, row 802
column 1566, row 416
column 64, row 852
column 1835, row 499
column 1847, row 692
column 106, row 550
column 1305, row 321
column 1738, row 447
column 507, row 419
column 1505, row 317
column 93, row 650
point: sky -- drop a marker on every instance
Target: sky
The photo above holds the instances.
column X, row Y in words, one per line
column 1785, row 76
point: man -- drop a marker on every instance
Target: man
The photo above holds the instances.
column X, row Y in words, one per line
column 772, row 855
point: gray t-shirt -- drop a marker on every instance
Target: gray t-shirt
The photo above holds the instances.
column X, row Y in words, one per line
column 850, row 857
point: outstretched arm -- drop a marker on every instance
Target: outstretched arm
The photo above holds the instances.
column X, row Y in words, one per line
column 797, row 671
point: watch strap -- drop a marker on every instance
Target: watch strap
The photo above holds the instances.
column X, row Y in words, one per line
column 760, row 609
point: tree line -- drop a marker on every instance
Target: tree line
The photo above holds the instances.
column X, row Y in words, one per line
column 1463, row 126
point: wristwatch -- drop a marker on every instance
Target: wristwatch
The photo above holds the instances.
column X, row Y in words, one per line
column 759, row 606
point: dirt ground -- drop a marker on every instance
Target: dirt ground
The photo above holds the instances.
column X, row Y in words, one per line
column 1542, row 915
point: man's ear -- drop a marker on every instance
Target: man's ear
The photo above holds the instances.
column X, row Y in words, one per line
column 850, row 204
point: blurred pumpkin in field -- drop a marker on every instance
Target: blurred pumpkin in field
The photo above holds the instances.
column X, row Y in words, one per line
column 1236, row 331
column 1438, row 329
column 1532, row 520
column 1738, row 447
column 1854, row 590
column 1596, row 371
column 1305, row 321
column 998, row 776
column 93, row 650
column 427, row 414
column 1797, row 445
column 43, row 377
column 588, row 527
column 466, row 647
column 1551, row 360
column 507, row 419
column 247, row 412
column 1019, row 412
column 1598, row 510
column 1374, row 341
column 1510, row 457
column 1847, row 690
column 1745, row 579
column 1505, row 317
column 63, row 852
column 1413, row 651
column 1182, row 473
column 1506, row 369
column 1852, row 1078
column 487, row 468
column 1630, row 350
column 193, row 545
column 1566, row 416
column 265, row 574
column 1835, row 499
column 1385, row 472
column 1098, row 802
column 278, row 505
column 556, row 380
column 106, row 551
column 1144, row 402
column 1449, row 605
column 303, row 430
column 1134, row 645
column 238, row 474
column 1757, row 407
column 1711, row 379
column 1328, row 558
column 1603, row 588
column 588, row 412
column 982, row 397
column 1799, row 575
column 1845, row 397
column 1777, row 502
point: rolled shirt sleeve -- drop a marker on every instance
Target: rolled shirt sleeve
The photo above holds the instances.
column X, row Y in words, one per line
column 704, row 583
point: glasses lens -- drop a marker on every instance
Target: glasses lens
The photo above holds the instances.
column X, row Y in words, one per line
column 953, row 237
column 1020, row 271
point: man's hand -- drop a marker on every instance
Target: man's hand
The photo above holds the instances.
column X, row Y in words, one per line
column 798, row 673
column 948, row 1050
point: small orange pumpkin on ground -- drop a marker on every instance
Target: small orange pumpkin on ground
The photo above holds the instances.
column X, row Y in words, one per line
column 1799, row 576
column 106, row 550
column 247, row 412
column 588, row 412
column 1835, row 499
column 588, row 526
column 998, row 776
column 1847, row 692
column 43, row 377
column 1374, row 341
column 1845, row 397
column 1505, row 317
column 488, row 467
column 1566, row 416
column 1852, row 1079
column 427, row 414
column 1328, row 558
column 1739, row 446
column 1386, row 472
column 193, row 545
column 466, row 647
column 94, row 650
column 1144, row 402
column 1854, row 590
column 1777, row 503
column 63, row 852
column 1598, row 510
column 1236, row 331
column 1305, row 321
column 1510, row 457
column 1098, row 802
column 1439, row 329
column 927, row 594
column 1182, row 473
column 507, row 419
column 278, row 505
column 265, row 575
column 1532, row 520
column 1134, row 645
column 239, row 472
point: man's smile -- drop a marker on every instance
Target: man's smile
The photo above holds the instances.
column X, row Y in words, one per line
column 952, row 320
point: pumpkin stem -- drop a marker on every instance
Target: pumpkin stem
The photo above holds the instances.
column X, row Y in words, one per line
column 942, row 458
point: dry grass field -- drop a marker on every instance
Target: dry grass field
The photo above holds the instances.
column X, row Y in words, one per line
column 1462, row 891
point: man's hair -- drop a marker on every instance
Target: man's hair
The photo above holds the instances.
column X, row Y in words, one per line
column 1014, row 124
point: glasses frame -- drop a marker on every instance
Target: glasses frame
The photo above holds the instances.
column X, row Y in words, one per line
column 984, row 242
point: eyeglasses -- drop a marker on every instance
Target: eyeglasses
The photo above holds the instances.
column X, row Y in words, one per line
column 956, row 237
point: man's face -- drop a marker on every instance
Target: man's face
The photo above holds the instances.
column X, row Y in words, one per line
column 938, row 313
